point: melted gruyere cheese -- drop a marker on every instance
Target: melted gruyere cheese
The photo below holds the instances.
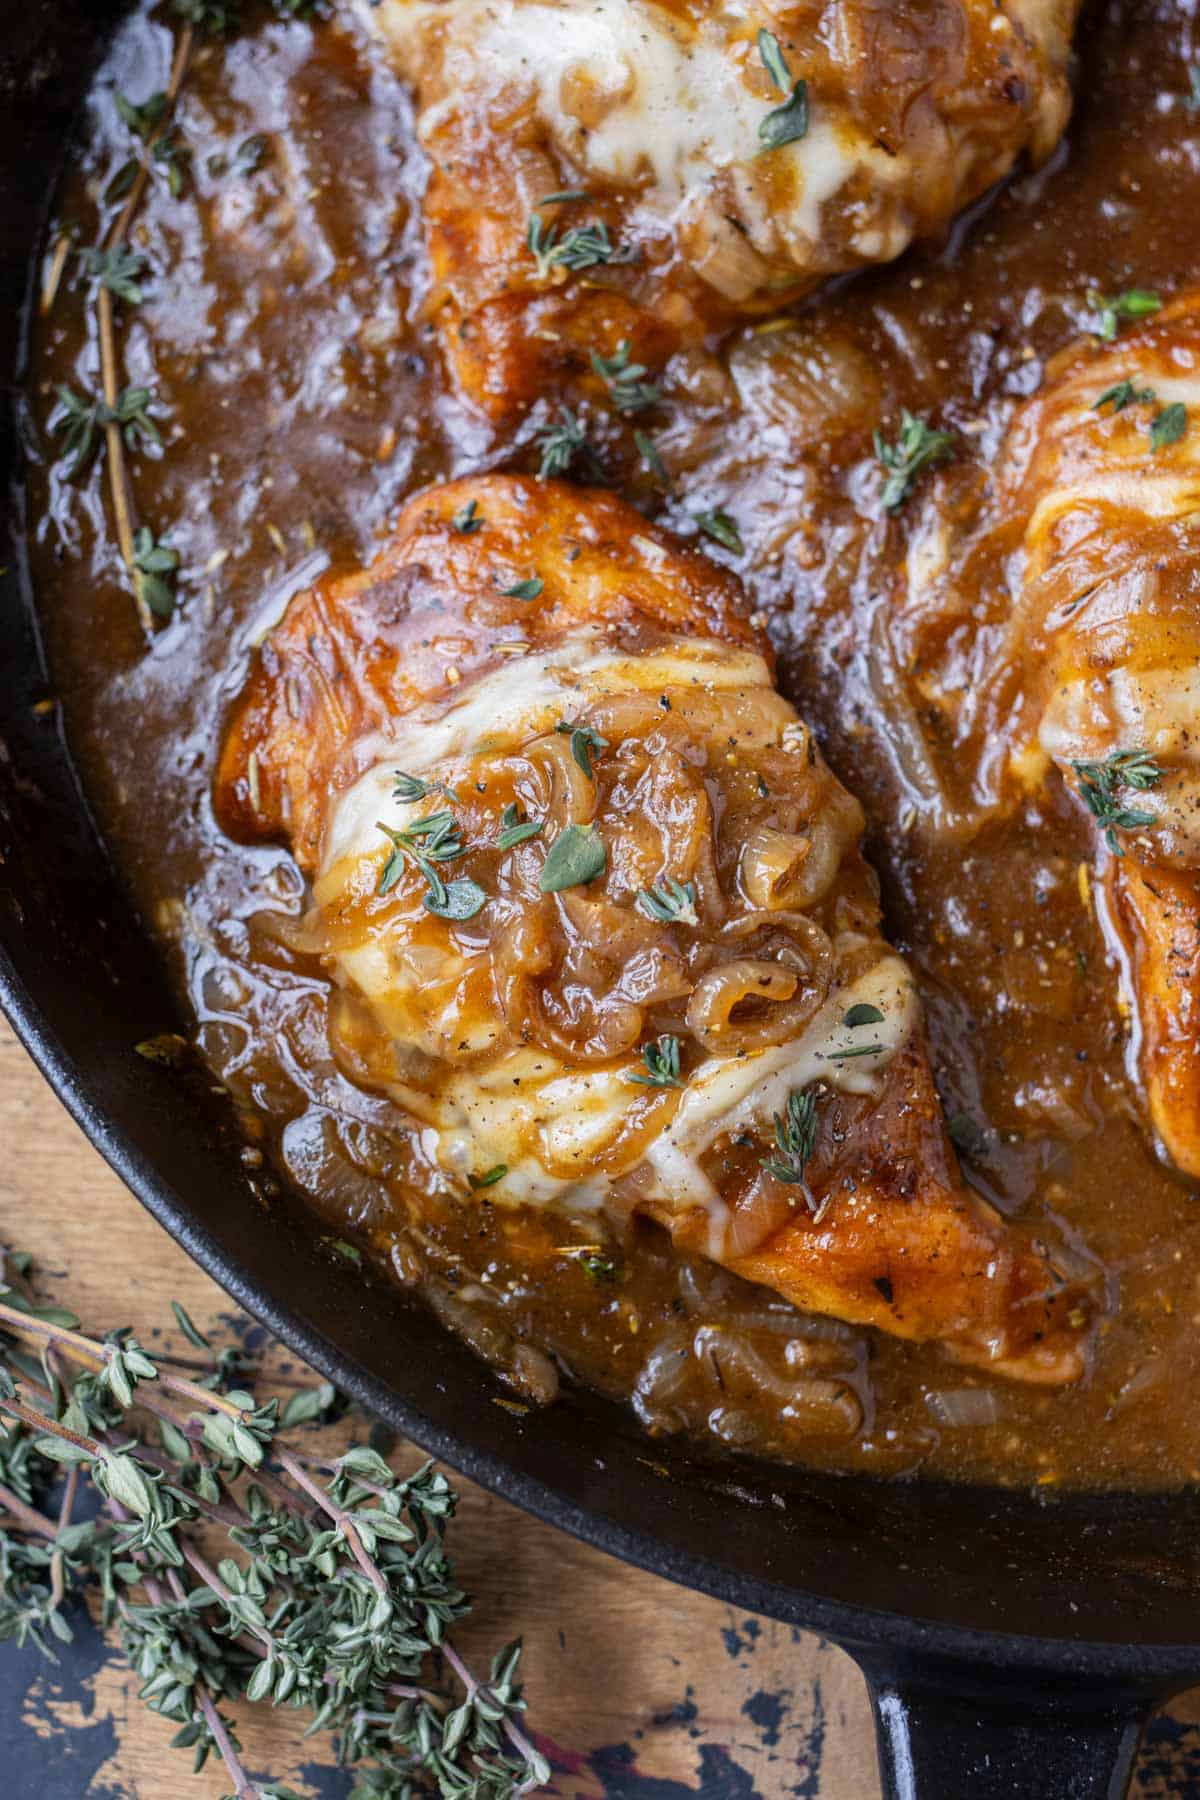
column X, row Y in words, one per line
column 557, row 1128
column 637, row 96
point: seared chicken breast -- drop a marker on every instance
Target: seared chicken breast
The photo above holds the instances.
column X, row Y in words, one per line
column 600, row 923
column 1099, row 501
column 640, row 172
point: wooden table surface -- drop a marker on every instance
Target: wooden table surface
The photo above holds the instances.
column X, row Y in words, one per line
column 638, row 1690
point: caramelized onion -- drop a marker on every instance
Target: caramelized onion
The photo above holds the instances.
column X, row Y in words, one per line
column 791, row 997
column 812, row 1405
column 787, row 869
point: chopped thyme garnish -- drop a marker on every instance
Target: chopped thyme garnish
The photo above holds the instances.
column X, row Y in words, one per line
column 579, row 247
column 516, row 830
column 117, row 270
column 529, row 589
column 670, row 902
column 722, row 529
column 467, row 518
column 918, row 447
column 863, row 1013
column 662, row 1065
column 1123, row 394
column 1192, row 98
column 1135, row 303
column 627, row 390
column 424, row 842
column 410, row 788
column 648, row 451
column 771, row 51
column 1168, row 426
column 560, row 445
column 567, row 195
column 857, row 1050
column 576, row 857
column 1098, row 786
column 496, row 1173
column 795, row 1138
column 583, row 741
column 789, row 122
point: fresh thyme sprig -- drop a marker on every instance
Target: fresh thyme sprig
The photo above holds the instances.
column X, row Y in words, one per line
column 579, row 247
column 564, row 444
column 335, row 1595
column 81, row 423
column 423, row 842
column 1099, row 783
column 795, row 1138
column 627, row 388
column 669, row 902
column 918, row 447
column 661, row 1061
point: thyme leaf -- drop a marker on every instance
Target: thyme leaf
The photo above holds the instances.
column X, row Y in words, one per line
column 1135, row 303
column 117, row 270
column 529, row 589
column 788, row 123
column 576, row 857
column 411, row 788
column 516, row 830
column 1168, row 426
column 627, row 389
column 722, row 529
column 1123, row 394
column 154, row 565
column 579, row 247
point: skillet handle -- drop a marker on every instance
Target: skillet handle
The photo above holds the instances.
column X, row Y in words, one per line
column 984, row 1736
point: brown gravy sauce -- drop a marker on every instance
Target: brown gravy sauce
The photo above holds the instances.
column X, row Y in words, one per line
column 301, row 397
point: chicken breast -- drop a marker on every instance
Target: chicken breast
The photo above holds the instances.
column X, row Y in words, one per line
column 600, row 922
column 641, row 172
column 1099, row 497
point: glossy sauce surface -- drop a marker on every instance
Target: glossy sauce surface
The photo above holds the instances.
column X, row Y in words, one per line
column 301, row 398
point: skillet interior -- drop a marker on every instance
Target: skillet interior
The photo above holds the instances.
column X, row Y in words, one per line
column 1097, row 1583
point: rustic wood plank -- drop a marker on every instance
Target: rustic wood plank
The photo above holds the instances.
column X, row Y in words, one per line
column 640, row 1690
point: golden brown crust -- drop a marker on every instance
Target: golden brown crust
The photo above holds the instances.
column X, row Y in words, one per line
column 359, row 649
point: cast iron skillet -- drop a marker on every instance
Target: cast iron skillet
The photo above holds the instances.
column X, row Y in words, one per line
column 1011, row 1641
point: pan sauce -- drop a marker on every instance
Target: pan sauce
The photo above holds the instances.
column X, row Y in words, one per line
column 299, row 406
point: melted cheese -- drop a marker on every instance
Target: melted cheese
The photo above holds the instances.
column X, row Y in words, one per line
column 521, row 700
column 727, row 1095
column 634, row 95
column 550, row 1124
